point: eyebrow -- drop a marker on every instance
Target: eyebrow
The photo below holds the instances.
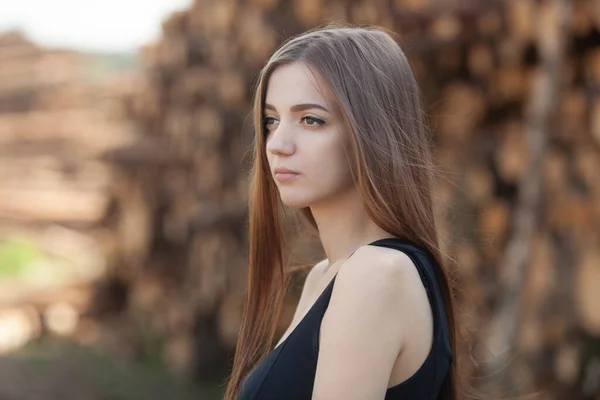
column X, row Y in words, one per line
column 299, row 107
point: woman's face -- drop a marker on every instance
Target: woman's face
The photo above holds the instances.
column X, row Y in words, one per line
column 304, row 133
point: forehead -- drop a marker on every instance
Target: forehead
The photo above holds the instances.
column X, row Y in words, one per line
column 297, row 83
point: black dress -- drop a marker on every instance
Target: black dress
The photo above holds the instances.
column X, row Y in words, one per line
column 288, row 371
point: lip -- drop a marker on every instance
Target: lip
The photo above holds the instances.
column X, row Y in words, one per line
column 281, row 170
column 286, row 176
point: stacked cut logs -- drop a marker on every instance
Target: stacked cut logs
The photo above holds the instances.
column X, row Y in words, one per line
column 182, row 191
column 56, row 117
column 53, row 123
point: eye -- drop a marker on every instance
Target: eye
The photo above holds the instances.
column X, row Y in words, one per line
column 269, row 122
column 313, row 121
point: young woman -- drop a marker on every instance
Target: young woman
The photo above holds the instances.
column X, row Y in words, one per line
column 340, row 135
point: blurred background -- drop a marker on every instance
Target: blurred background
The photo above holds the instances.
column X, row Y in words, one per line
column 124, row 132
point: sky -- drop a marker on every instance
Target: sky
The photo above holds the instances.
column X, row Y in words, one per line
column 100, row 25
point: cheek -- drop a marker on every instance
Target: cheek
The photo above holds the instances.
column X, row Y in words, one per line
column 330, row 168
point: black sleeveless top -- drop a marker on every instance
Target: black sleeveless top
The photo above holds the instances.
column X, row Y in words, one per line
column 288, row 371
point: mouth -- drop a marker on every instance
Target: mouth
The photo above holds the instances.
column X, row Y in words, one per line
column 286, row 176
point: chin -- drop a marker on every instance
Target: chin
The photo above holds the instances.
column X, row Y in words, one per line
column 294, row 200
column 293, row 203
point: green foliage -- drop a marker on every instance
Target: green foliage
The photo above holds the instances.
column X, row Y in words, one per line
column 101, row 65
column 70, row 371
column 15, row 257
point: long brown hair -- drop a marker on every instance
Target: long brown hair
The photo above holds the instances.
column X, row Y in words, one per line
column 390, row 157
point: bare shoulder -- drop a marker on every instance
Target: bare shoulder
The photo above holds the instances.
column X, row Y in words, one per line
column 319, row 268
column 378, row 313
column 308, row 288
column 382, row 267
column 386, row 281
column 315, row 274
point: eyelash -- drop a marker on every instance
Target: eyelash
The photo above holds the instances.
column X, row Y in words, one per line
column 317, row 121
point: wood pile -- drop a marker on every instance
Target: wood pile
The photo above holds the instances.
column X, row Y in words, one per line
column 484, row 69
column 58, row 113
column 53, row 124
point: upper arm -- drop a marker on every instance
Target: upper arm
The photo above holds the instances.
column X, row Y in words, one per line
column 363, row 330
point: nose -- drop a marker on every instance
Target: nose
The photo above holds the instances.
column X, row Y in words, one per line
column 280, row 142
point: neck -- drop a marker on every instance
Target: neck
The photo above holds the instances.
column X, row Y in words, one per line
column 344, row 225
